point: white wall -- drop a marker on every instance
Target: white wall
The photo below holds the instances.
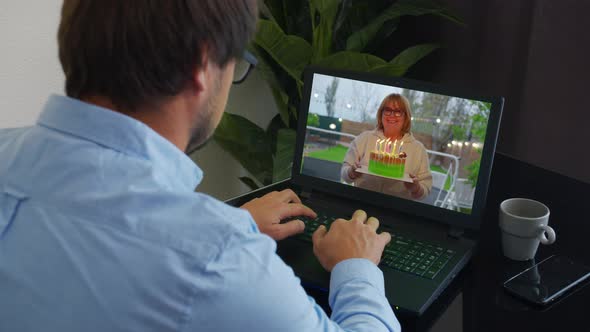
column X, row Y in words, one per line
column 29, row 65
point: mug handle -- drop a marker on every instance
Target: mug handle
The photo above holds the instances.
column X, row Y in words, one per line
column 548, row 235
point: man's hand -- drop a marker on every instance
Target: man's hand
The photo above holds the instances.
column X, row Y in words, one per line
column 270, row 209
column 354, row 238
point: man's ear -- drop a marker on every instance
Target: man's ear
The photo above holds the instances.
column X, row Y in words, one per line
column 201, row 75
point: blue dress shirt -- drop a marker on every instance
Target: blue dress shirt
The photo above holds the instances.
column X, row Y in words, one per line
column 101, row 230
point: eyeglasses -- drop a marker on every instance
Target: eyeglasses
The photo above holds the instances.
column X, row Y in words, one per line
column 387, row 111
column 243, row 67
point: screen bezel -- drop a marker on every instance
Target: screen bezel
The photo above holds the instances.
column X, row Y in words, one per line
column 452, row 218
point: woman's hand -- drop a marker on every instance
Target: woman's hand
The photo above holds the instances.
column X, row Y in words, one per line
column 352, row 173
column 414, row 187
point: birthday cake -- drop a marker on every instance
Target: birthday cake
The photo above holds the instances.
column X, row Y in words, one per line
column 388, row 160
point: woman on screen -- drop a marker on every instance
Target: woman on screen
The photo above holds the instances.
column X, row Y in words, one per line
column 393, row 123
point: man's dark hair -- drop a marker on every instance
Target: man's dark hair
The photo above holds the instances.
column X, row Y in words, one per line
column 137, row 52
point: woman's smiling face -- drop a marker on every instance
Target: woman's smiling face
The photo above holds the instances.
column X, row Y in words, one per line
column 393, row 117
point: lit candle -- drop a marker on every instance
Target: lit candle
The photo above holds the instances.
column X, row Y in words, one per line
column 377, row 145
column 394, row 145
column 400, row 147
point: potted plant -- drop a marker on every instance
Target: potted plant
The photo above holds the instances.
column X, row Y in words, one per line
column 294, row 34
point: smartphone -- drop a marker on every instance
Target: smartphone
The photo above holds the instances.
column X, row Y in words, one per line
column 547, row 280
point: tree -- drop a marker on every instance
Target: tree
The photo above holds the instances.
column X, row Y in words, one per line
column 435, row 106
column 414, row 98
column 330, row 97
column 479, row 127
column 364, row 101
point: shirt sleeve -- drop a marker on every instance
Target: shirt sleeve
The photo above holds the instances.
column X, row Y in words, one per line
column 251, row 289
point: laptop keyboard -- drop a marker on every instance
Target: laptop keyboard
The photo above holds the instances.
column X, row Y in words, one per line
column 402, row 253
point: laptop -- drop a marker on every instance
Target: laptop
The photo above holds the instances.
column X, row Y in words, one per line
column 433, row 237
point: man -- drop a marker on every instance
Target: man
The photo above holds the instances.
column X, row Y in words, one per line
column 100, row 227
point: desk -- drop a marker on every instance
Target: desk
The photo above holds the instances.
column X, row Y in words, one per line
column 475, row 300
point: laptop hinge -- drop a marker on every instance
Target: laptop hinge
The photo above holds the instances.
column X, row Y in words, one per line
column 455, row 232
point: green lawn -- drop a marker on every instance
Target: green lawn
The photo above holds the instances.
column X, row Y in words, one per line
column 336, row 154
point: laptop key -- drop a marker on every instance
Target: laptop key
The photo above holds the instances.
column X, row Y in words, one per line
column 430, row 274
column 417, row 259
column 418, row 271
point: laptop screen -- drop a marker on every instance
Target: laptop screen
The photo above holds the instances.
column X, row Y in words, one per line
column 408, row 143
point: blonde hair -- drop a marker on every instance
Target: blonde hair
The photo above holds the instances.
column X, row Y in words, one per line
column 403, row 104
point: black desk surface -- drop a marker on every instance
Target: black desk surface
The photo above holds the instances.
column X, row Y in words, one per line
column 484, row 305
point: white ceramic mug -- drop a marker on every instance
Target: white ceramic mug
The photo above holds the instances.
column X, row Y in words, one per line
column 524, row 224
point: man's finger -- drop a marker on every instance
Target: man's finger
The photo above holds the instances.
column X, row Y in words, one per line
column 359, row 216
column 319, row 234
column 289, row 196
column 289, row 229
column 294, row 209
column 384, row 238
column 373, row 223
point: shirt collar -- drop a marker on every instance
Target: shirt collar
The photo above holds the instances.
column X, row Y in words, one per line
column 121, row 133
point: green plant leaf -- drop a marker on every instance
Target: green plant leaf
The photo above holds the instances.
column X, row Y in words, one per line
column 390, row 70
column 272, row 131
column 291, row 53
column 360, row 39
column 323, row 14
column 345, row 8
column 249, row 182
column 283, row 159
column 247, row 143
column 408, row 57
column 274, row 11
column 282, row 100
column 265, row 10
column 352, row 61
